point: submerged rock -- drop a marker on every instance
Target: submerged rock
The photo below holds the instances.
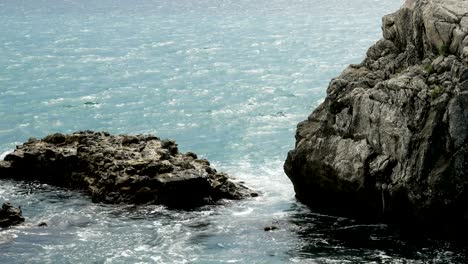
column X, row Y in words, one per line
column 390, row 140
column 270, row 228
column 121, row 169
column 10, row 216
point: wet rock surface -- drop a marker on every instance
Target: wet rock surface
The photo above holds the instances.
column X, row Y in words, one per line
column 121, row 169
column 10, row 216
column 389, row 143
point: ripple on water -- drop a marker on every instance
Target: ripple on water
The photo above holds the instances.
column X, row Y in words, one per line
column 227, row 79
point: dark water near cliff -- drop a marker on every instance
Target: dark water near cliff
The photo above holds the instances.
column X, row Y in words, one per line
column 226, row 79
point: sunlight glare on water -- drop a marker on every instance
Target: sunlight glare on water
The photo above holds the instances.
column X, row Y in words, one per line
column 228, row 80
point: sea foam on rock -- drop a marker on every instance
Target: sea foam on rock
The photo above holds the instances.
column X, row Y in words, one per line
column 389, row 142
column 121, row 169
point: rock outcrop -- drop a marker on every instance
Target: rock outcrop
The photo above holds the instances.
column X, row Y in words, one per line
column 121, row 169
column 10, row 216
column 389, row 142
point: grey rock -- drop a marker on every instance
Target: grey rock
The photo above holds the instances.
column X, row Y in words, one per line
column 10, row 216
column 121, row 169
column 389, row 142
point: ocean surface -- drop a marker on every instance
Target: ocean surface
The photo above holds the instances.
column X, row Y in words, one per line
column 227, row 79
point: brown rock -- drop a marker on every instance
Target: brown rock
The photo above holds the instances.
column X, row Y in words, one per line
column 123, row 168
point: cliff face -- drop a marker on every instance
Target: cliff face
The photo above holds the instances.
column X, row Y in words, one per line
column 390, row 140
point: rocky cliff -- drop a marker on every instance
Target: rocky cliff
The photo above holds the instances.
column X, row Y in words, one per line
column 389, row 142
column 121, row 169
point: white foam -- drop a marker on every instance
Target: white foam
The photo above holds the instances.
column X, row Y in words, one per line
column 162, row 44
column 245, row 212
column 88, row 98
column 255, row 71
column 3, row 154
column 54, row 101
column 7, row 236
column 96, row 58
column 64, row 40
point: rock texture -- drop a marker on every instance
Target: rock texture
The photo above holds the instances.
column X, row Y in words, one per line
column 10, row 216
column 390, row 140
column 121, row 169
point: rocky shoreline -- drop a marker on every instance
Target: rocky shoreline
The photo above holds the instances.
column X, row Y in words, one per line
column 389, row 143
column 122, row 169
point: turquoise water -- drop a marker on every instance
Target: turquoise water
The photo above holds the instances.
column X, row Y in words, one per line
column 228, row 80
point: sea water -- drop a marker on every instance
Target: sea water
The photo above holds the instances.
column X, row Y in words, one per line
column 227, row 79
